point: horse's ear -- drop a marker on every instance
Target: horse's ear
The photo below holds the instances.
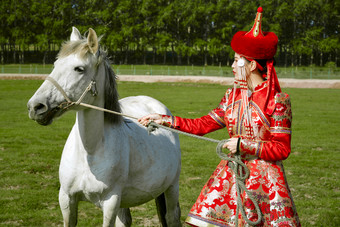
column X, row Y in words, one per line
column 92, row 41
column 75, row 35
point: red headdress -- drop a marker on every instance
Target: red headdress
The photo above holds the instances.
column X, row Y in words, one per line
column 256, row 44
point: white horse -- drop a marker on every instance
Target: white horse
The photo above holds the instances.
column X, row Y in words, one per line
column 108, row 159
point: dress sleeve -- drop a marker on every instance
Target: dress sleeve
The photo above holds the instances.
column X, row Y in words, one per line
column 213, row 121
column 278, row 147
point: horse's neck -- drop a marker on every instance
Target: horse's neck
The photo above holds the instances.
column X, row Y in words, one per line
column 90, row 124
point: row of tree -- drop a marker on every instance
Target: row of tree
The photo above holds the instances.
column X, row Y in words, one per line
column 170, row 31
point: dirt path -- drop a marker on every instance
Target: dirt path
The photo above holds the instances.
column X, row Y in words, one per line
column 291, row 83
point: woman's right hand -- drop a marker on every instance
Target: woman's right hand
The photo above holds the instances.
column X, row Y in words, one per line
column 157, row 118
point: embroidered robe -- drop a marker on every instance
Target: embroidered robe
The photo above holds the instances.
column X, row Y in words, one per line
column 262, row 153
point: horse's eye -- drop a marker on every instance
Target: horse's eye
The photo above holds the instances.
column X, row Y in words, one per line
column 79, row 69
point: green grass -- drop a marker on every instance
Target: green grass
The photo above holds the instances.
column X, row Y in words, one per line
column 283, row 72
column 30, row 154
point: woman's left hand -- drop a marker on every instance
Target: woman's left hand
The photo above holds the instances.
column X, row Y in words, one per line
column 231, row 145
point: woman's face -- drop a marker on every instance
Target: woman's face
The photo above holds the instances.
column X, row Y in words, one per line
column 237, row 65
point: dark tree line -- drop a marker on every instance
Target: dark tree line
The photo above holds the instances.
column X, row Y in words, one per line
column 169, row 31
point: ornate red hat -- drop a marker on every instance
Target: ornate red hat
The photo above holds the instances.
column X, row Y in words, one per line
column 255, row 43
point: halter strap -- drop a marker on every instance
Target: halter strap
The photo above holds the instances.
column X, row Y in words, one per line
column 91, row 87
column 55, row 83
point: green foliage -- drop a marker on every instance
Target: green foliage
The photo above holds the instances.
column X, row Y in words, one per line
column 330, row 65
column 305, row 28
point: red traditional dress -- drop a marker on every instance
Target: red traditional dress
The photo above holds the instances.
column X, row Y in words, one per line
column 263, row 152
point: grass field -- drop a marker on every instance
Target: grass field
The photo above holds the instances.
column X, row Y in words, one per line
column 283, row 72
column 30, row 154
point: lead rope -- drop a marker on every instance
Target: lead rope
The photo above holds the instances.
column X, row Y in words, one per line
column 240, row 170
column 238, row 167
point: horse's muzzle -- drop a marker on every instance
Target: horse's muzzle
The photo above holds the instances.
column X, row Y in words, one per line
column 41, row 112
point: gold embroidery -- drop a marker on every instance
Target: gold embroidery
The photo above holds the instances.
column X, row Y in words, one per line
column 217, row 118
column 280, row 130
column 284, row 100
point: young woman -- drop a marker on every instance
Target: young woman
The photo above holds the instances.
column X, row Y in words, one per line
column 258, row 117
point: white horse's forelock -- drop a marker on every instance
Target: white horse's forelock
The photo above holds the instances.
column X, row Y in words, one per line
column 82, row 49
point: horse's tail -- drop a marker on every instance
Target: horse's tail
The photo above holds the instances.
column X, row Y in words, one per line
column 161, row 209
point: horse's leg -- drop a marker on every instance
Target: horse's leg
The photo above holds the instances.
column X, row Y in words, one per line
column 69, row 208
column 123, row 218
column 110, row 210
column 173, row 211
column 161, row 209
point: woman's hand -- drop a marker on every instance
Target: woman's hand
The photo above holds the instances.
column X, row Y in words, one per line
column 231, row 145
column 157, row 118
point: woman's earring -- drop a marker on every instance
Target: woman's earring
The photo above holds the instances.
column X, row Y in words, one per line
column 240, row 62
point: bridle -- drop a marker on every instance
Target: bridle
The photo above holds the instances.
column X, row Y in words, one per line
column 65, row 105
column 90, row 88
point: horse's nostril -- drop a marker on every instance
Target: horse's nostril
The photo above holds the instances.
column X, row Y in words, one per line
column 40, row 108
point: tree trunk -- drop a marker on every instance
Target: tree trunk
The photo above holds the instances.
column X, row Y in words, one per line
column 179, row 59
column 300, row 59
column 311, row 59
column 285, row 56
column 144, row 56
column 154, row 56
column 292, row 63
column 164, row 57
column 336, row 58
column 228, row 63
column 2, row 56
column 205, row 56
column 126, row 55
column 14, row 55
column 173, row 53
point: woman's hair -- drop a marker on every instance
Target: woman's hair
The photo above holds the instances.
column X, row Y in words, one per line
column 263, row 63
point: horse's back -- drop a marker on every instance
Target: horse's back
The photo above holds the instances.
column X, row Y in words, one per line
column 139, row 106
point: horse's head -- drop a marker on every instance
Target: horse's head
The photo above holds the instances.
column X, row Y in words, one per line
column 79, row 62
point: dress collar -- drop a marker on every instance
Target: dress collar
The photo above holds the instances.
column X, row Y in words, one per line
column 261, row 86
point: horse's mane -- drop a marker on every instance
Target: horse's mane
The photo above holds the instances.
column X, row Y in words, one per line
column 111, row 96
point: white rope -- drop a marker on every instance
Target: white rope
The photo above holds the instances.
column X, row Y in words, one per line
column 153, row 125
column 106, row 110
column 85, row 92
